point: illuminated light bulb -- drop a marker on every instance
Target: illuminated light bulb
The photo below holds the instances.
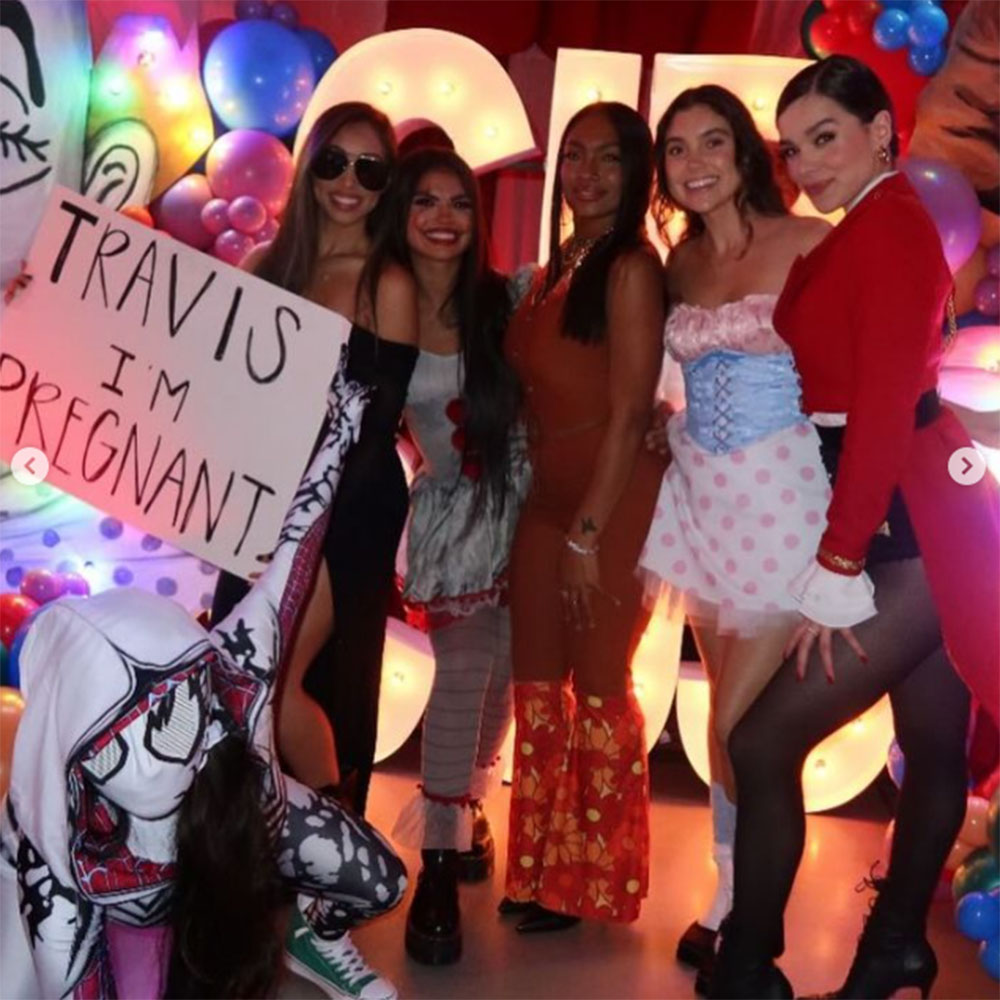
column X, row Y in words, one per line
column 858, row 725
column 151, row 39
column 176, row 94
column 116, row 85
column 492, row 131
column 200, row 136
column 593, row 94
column 145, row 58
column 820, row 764
column 385, row 88
column 398, row 676
column 758, row 104
column 447, row 88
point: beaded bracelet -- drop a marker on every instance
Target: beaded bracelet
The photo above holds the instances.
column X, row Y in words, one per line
column 581, row 550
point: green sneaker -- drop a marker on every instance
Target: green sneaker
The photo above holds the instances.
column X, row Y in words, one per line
column 336, row 967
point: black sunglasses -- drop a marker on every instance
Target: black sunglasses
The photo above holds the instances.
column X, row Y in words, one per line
column 371, row 171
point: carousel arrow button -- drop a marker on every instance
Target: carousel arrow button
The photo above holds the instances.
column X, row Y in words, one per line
column 966, row 466
column 29, row 466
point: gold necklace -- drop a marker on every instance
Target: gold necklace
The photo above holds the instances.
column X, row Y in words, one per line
column 572, row 254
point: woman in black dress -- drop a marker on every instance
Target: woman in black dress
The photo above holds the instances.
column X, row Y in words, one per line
column 325, row 252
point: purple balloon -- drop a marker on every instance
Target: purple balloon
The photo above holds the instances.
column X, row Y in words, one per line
column 42, row 585
column 76, row 585
column 215, row 216
column 247, row 214
column 993, row 260
column 246, row 161
column 987, row 296
column 248, row 10
column 284, row 13
column 232, row 246
column 951, row 202
column 180, row 211
column 267, row 232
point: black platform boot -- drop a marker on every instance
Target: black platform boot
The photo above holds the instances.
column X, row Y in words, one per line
column 738, row 974
column 892, row 952
column 434, row 925
column 476, row 864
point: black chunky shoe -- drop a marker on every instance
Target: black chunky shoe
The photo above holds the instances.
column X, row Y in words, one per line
column 893, row 952
column 476, row 864
column 433, row 925
column 696, row 947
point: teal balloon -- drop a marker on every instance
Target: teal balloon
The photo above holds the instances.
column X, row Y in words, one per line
column 979, row 872
column 4, row 666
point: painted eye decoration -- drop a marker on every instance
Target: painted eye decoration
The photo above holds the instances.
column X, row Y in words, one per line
column 175, row 725
column 108, row 761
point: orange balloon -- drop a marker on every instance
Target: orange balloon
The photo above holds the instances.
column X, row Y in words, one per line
column 960, row 850
column 11, row 707
column 974, row 828
column 138, row 214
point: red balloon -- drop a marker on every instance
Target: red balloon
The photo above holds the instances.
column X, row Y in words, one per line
column 828, row 33
column 42, row 585
column 138, row 213
column 14, row 609
column 988, row 785
column 861, row 17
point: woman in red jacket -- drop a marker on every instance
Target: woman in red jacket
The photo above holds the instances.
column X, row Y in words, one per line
column 909, row 557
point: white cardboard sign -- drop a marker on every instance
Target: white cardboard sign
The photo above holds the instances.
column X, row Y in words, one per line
column 165, row 387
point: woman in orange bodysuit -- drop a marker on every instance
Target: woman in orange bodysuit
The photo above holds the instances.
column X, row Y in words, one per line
column 587, row 344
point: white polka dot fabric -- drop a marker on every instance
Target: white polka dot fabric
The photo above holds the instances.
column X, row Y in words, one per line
column 731, row 531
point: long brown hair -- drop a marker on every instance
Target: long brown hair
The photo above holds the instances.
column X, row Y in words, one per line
column 758, row 189
column 291, row 258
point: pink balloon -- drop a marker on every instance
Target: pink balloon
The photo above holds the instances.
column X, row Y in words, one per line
column 247, row 214
column 42, row 585
column 987, row 296
column 951, row 201
column 215, row 216
column 268, row 231
column 232, row 246
column 246, row 161
column 76, row 584
column 180, row 211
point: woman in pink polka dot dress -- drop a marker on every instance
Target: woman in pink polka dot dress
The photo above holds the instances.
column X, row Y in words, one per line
column 743, row 502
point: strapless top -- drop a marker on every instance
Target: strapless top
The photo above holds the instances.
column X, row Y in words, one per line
column 739, row 377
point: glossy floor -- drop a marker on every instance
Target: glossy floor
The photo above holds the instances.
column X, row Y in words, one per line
column 593, row 962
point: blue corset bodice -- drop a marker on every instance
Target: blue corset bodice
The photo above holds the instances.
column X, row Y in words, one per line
column 734, row 399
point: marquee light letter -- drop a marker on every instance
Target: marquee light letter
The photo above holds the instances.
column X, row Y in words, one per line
column 582, row 77
column 422, row 74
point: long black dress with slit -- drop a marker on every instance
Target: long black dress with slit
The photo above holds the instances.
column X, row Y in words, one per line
column 366, row 523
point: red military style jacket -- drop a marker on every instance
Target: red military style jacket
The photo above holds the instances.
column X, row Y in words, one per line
column 863, row 315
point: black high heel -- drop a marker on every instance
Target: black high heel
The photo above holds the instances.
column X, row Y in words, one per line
column 892, row 952
column 696, row 948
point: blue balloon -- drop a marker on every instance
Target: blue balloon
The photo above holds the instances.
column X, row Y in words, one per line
column 322, row 50
column 897, row 4
column 889, row 29
column 249, row 9
column 259, row 75
column 989, row 956
column 926, row 61
column 895, row 764
column 284, row 13
column 928, row 26
column 977, row 915
column 13, row 671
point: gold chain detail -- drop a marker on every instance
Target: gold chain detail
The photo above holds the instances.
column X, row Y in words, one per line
column 851, row 565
